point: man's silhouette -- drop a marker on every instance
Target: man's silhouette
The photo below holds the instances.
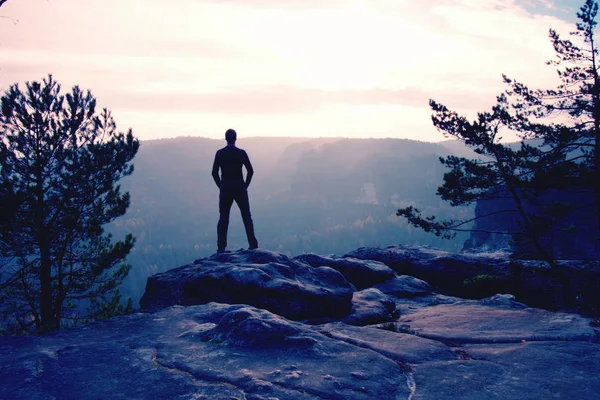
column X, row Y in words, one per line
column 230, row 160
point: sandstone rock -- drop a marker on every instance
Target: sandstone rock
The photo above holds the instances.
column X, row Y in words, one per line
column 154, row 356
column 529, row 370
column 506, row 301
column 398, row 255
column 369, row 307
column 250, row 327
column 560, row 239
column 401, row 347
column 261, row 278
column 441, row 347
column 437, row 267
column 404, row 286
column 360, row 273
column 446, row 272
column 486, row 274
column 476, row 322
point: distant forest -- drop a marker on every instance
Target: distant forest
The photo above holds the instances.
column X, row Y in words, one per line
column 326, row 196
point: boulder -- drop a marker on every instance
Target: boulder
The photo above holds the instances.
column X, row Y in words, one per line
column 360, row 273
column 404, row 286
column 446, row 272
column 261, row 278
column 369, row 307
column 481, row 275
column 250, row 327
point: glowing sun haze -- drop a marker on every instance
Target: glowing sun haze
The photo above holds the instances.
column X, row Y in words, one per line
column 352, row 68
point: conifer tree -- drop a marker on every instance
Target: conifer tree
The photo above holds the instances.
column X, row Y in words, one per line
column 564, row 121
column 60, row 163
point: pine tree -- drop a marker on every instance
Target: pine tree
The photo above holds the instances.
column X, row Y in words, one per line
column 60, row 162
column 564, row 121
column 575, row 104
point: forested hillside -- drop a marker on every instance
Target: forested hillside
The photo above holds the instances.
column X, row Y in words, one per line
column 327, row 196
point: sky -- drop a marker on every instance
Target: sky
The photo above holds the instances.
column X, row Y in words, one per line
column 303, row 68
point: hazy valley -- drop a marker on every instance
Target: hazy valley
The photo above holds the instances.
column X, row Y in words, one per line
column 327, row 196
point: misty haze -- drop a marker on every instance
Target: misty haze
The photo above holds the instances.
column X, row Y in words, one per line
column 324, row 196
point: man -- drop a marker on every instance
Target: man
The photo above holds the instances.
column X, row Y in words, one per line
column 230, row 160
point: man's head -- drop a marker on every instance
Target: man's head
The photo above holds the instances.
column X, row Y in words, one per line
column 230, row 136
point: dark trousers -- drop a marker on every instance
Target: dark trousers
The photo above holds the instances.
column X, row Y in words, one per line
column 227, row 195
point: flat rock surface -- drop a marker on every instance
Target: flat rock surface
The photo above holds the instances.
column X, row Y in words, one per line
column 530, row 370
column 474, row 322
column 179, row 352
column 435, row 347
column 421, row 255
column 219, row 351
column 402, row 347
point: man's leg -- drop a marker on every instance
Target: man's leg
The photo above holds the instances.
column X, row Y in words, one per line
column 225, row 202
column 243, row 203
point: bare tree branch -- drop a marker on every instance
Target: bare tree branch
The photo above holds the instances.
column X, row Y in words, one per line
column 14, row 21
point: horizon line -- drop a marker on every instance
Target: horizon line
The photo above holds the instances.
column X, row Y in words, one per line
column 295, row 137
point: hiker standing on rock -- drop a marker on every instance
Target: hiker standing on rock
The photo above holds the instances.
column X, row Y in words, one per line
column 230, row 160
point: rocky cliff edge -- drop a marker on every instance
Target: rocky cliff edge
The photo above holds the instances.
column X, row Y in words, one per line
column 258, row 325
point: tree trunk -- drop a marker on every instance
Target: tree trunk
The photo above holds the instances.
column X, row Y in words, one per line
column 48, row 322
column 530, row 231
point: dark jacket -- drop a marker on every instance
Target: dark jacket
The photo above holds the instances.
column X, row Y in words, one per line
column 230, row 160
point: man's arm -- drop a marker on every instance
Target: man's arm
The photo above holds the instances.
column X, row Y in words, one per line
column 249, row 170
column 215, row 171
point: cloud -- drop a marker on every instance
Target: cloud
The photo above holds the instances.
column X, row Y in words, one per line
column 282, row 100
column 278, row 4
column 264, row 61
